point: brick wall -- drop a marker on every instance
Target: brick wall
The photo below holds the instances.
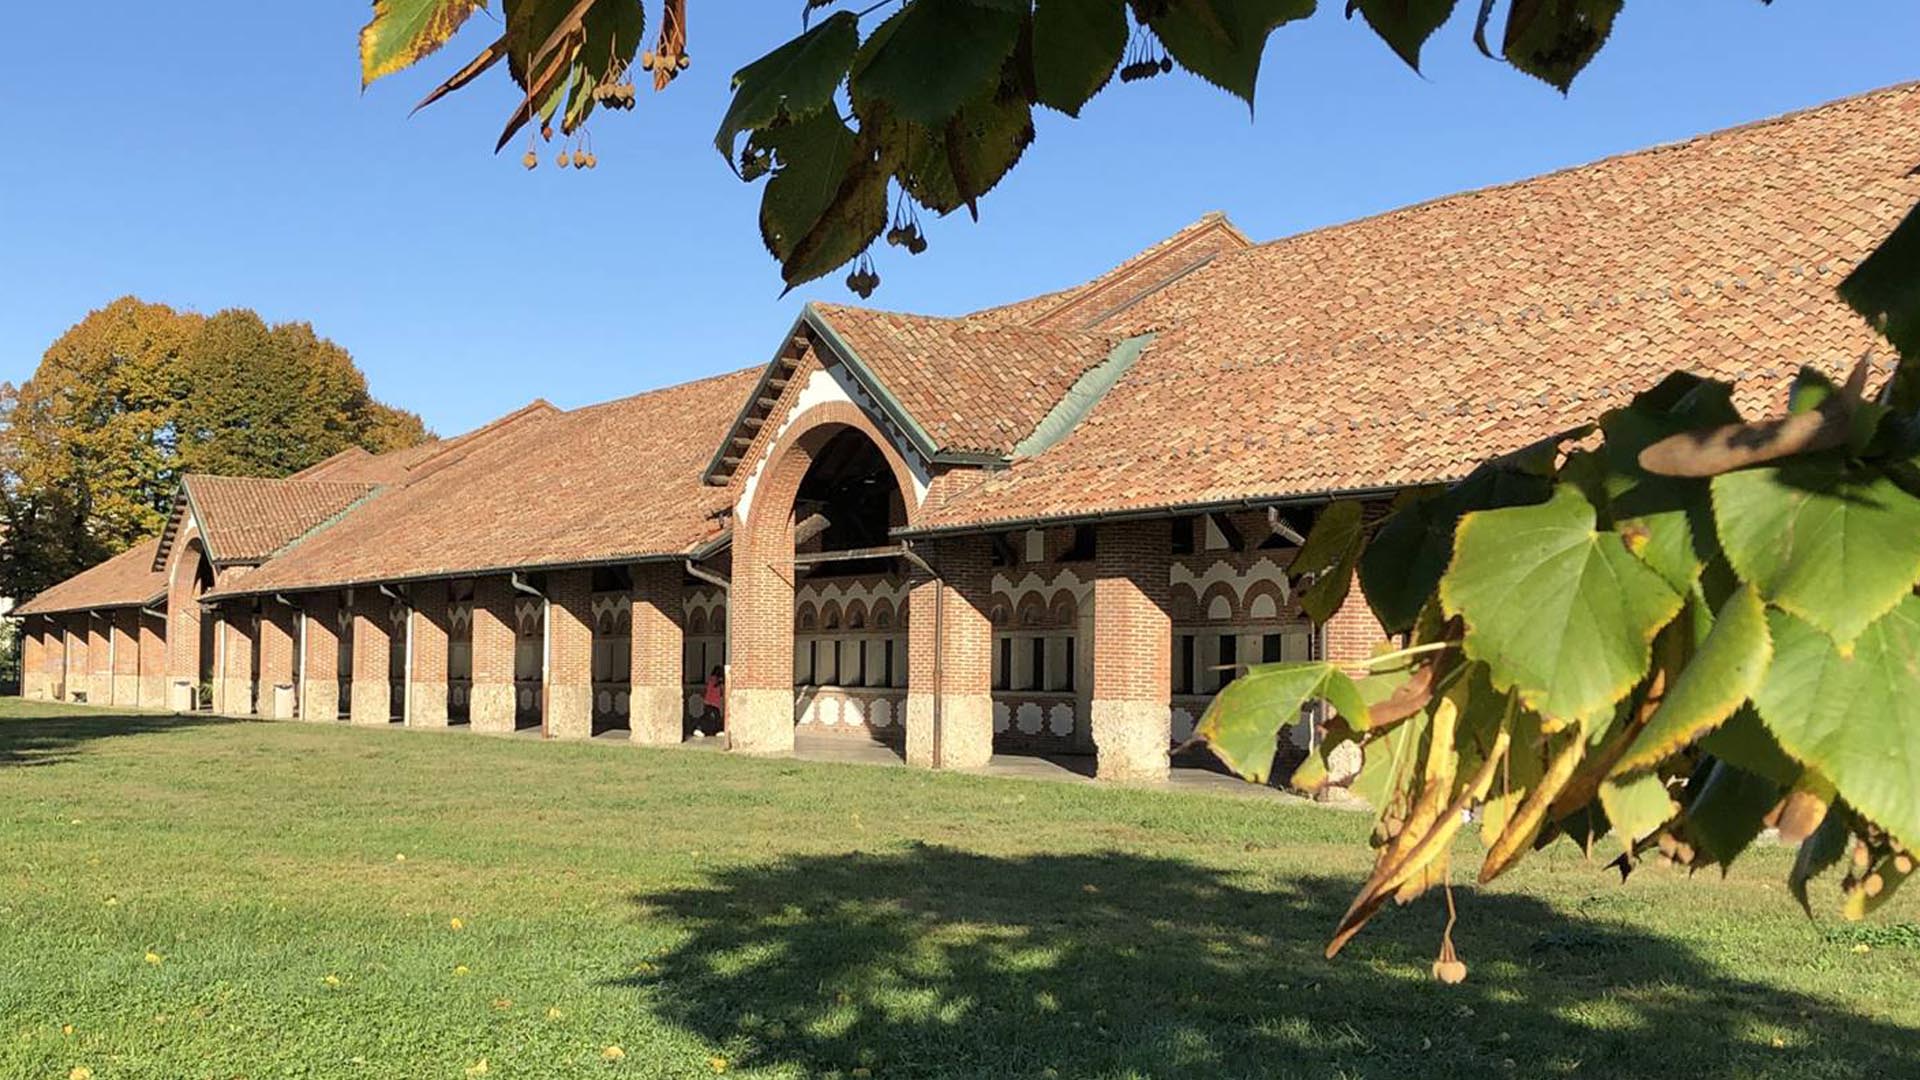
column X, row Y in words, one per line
column 53, row 636
column 277, row 630
column 126, row 656
column 568, row 681
column 1353, row 633
column 490, row 707
column 100, row 658
column 1132, row 643
column 371, row 700
column 234, row 687
column 33, row 658
column 654, row 707
column 427, row 681
column 320, row 663
column 79, row 664
column 950, row 655
column 153, row 661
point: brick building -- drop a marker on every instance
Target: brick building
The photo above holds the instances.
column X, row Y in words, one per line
column 1053, row 526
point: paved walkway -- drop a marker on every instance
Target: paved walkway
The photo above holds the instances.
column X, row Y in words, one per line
column 1191, row 772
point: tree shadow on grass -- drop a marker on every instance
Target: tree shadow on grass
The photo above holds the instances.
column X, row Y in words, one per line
column 55, row 737
column 935, row 962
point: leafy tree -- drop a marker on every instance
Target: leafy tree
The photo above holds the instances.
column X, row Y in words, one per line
column 91, row 447
column 1695, row 627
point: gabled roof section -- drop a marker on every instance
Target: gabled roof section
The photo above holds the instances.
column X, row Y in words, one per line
column 1403, row 348
column 126, row 580
column 610, row 483
column 248, row 519
column 1166, row 262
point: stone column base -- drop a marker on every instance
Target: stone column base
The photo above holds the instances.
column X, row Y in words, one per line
column 236, row 697
column 275, row 704
column 427, row 705
column 180, row 695
column 100, row 689
column 966, row 730
column 1131, row 739
column 569, row 712
column 33, row 685
column 760, row 721
column 321, row 701
column 126, row 691
column 371, row 704
column 490, row 708
column 150, row 691
column 654, row 715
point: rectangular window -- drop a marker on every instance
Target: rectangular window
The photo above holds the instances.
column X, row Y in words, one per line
column 886, row 662
column 1269, row 648
column 1183, row 658
column 1003, row 663
column 1070, row 668
column 1229, row 659
column 1037, row 677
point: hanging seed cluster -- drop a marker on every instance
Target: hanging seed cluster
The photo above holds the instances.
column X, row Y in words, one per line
column 863, row 280
column 1144, row 60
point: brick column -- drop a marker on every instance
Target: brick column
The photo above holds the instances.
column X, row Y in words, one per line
column 100, row 657
column 759, row 716
column 152, row 681
column 183, row 647
column 950, row 656
column 234, row 693
column 78, row 665
column 427, row 681
column 126, row 657
column 568, row 680
column 277, row 630
column 1132, row 643
column 371, row 702
column 320, row 663
column 490, row 704
column 1353, row 632
column 654, row 705
column 53, row 637
column 33, row 659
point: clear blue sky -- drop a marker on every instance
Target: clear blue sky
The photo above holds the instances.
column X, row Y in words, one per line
column 221, row 154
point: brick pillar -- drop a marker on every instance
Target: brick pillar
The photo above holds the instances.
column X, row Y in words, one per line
column 427, row 679
column 654, row 705
column 1132, row 643
column 234, row 693
column 568, row 681
column 277, row 630
column 33, row 659
column 100, row 657
column 152, row 681
column 371, row 702
column 126, row 657
column 183, row 647
column 490, row 703
column 759, row 716
column 53, row 636
column 320, row 663
column 1353, row 633
column 78, row 664
column 958, row 642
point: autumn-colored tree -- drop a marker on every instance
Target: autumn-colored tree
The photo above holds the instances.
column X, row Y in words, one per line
column 92, row 446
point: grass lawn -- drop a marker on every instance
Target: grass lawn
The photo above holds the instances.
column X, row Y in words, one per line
column 185, row 899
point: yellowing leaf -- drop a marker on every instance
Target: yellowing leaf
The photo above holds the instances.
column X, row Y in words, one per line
column 1725, row 670
column 403, row 31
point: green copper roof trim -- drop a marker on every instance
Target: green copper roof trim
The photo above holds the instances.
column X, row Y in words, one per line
column 888, row 403
column 1082, row 396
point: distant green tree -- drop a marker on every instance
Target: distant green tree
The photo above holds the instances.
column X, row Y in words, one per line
column 93, row 445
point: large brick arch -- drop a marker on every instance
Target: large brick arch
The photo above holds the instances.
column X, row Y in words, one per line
column 760, row 603
column 185, row 563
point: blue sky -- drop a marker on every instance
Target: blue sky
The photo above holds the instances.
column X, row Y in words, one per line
column 221, row 154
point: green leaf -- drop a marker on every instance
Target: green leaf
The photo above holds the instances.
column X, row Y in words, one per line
column 1745, row 742
column 1885, row 288
column 826, row 199
column 951, row 166
column 1076, row 46
column 1728, row 810
column 403, row 31
column 1387, row 761
column 1818, row 853
column 1245, row 719
column 1725, row 670
column 1835, row 543
column 1403, row 24
column 1403, row 562
column 1855, row 718
column 1669, row 518
column 932, row 57
column 1222, row 40
column 1636, row 807
column 1552, row 40
column 1560, row 613
column 1329, row 554
column 793, row 81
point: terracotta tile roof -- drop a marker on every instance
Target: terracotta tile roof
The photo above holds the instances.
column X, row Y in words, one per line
column 356, row 465
column 126, row 580
column 972, row 387
column 1405, row 347
column 246, row 519
column 606, row 483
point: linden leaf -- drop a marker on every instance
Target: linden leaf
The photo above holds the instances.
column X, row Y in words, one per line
column 1724, row 671
column 1329, row 554
column 1834, row 543
column 1854, row 718
column 1636, row 807
column 1729, row 810
column 1076, row 46
column 1560, row 613
column 1245, row 719
column 932, row 57
column 1818, row 853
column 795, row 80
column 403, row 31
column 1222, row 40
column 963, row 159
column 1405, row 25
column 1403, row 562
column 1552, row 40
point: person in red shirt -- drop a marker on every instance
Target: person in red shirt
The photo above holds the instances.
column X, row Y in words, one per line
column 714, row 719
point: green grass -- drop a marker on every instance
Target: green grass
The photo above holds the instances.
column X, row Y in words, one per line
column 801, row 919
